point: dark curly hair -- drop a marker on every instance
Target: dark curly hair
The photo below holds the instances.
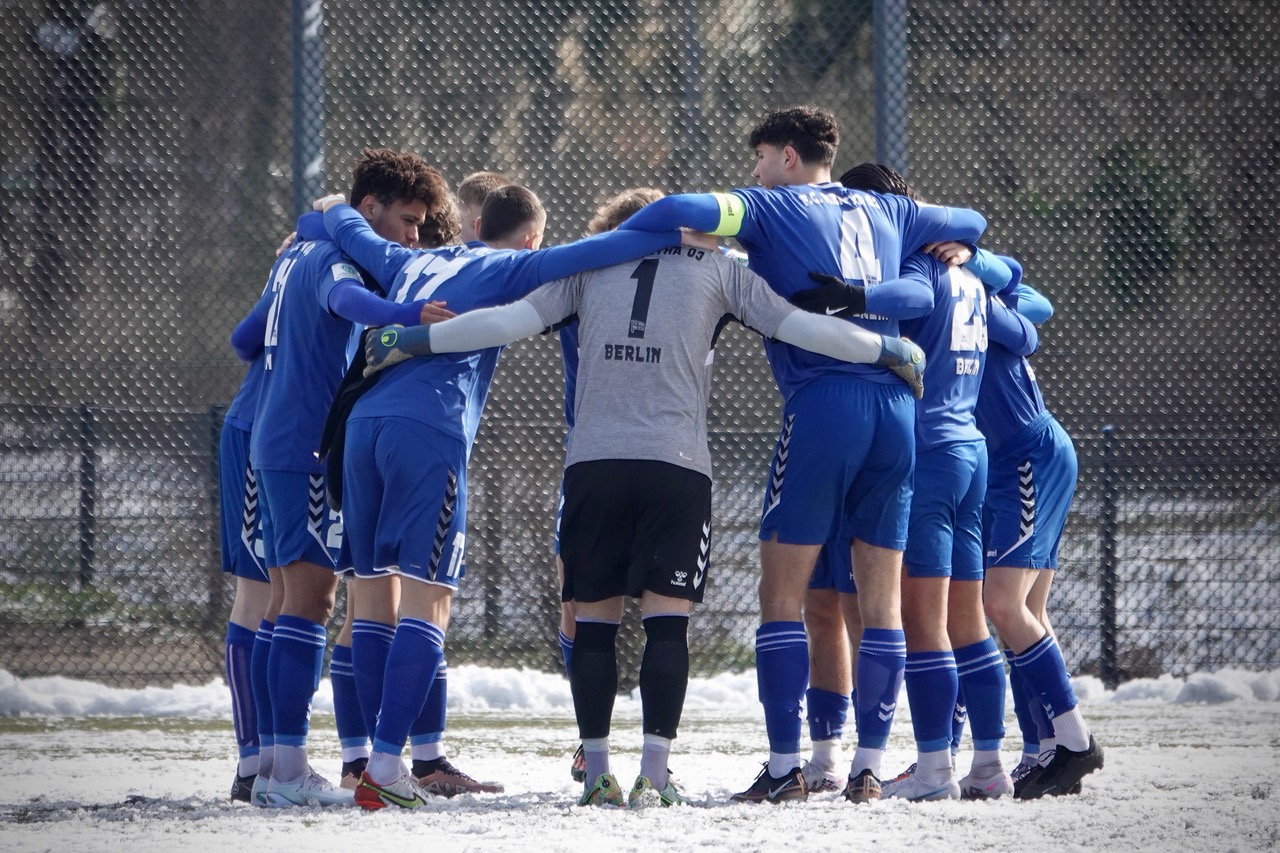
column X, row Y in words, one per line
column 811, row 131
column 878, row 178
column 391, row 176
column 618, row 209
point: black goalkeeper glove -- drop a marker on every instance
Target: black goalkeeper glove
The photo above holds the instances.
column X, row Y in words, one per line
column 832, row 297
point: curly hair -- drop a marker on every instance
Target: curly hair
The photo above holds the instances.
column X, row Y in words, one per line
column 616, row 210
column 878, row 178
column 390, row 176
column 442, row 227
column 811, row 131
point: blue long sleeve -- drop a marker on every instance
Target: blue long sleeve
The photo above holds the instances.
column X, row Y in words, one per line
column 249, row 336
column 1015, row 268
column 991, row 270
column 602, row 250
column 382, row 258
column 900, row 299
column 699, row 211
column 349, row 299
column 1010, row 329
column 1031, row 303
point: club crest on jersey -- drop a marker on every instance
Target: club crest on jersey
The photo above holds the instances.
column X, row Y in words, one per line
column 341, row 271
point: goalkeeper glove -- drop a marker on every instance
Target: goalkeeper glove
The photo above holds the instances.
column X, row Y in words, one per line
column 832, row 297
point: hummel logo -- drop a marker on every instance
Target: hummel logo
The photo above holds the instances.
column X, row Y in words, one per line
column 830, row 311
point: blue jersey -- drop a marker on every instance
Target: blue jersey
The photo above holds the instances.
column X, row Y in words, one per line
column 862, row 237
column 303, row 355
column 1010, row 398
column 447, row 392
column 243, row 408
column 569, row 355
column 954, row 339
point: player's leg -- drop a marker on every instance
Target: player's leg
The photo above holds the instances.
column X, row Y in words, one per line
column 830, row 668
column 353, row 727
column 568, row 630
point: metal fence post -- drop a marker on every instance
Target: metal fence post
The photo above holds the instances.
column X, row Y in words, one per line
column 308, row 103
column 889, row 32
column 88, row 446
column 1109, row 527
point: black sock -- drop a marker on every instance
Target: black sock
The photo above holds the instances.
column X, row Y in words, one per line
column 594, row 680
column 664, row 673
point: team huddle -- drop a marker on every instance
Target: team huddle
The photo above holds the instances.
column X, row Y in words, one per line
column 918, row 489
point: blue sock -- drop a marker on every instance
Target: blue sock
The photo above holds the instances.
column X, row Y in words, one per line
column 881, row 660
column 982, row 688
column 827, row 713
column 297, row 654
column 782, row 671
column 932, row 686
column 370, row 644
column 1045, row 671
column 566, row 652
column 352, row 729
column 239, row 655
column 260, row 680
column 416, row 654
column 429, row 727
column 959, row 717
column 1022, row 708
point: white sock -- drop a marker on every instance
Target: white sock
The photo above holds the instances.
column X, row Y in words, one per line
column 934, row 767
column 654, row 760
column 427, row 751
column 290, row 763
column 595, row 750
column 384, row 768
column 266, row 761
column 827, row 754
column 351, row 753
column 782, row 763
column 1070, row 731
column 985, row 760
column 1047, row 747
column 248, row 766
column 866, row 758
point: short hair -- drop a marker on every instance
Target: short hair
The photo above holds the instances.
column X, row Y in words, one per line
column 811, row 131
column 390, row 176
column 618, row 209
column 506, row 210
column 477, row 185
column 878, row 178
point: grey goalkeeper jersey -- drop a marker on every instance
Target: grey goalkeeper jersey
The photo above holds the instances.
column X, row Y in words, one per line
column 645, row 335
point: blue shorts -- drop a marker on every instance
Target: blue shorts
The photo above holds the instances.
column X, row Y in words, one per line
column 944, row 539
column 842, row 467
column 834, row 569
column 1030, row 483
column 405, row 500
column 297, row 523
column 559, row 518
column 241, row 523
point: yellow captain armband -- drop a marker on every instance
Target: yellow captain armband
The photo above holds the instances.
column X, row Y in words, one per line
column 732, row 211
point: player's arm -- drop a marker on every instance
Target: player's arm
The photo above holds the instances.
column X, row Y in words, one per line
column 996, row 272
column 353, row 234
column 1030, row 303
column 249, row 336
column 349, row 299
column 899, row 299
column 720, row 214
column 835, row 338
column 938, row 224
column 533, row 269
column 475, row 330
column 1010, row 328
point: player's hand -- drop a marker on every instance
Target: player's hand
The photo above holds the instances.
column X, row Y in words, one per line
column 951, row 253
column 434, row 312
column 381, row 350
column 906, row 360
column 831, row 297
column 324, row 203
column 698, row 240
column 288, row 241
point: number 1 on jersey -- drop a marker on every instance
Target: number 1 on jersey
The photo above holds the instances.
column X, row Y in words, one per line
column 644, row 275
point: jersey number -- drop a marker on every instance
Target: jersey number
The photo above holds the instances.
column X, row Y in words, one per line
column 644, row 275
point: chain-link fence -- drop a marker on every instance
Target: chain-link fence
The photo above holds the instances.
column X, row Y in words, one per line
column 1128, row 155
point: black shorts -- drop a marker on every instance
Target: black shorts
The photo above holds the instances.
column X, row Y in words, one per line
column 632, row 525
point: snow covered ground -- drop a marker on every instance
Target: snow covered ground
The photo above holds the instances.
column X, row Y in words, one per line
column 1190, row 765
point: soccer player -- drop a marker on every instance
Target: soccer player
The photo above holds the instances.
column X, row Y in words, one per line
column 471, row 195
column 606, row 218
column 942, row 587
column 857, row 489
column 637, row 484
column 241, row 536
column 1031, row 482
column 314, row 296
column 409, row 436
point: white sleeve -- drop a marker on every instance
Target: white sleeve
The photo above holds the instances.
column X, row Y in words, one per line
column 486, row 327
column 829, row 336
